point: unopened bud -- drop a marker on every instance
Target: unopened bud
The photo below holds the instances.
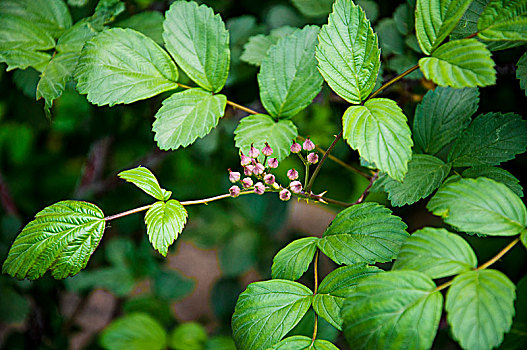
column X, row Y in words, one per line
column 285, row 195
column 295, row 186
column 272, row 163
column 259, row 188
column 247, row 182
column 253, row 152
column 234, row 191
column 258, row 169
column 269, row 179
column 234, row 176
column 312, row 158
column 292, row 174
column 295, row 147
column 267, row 150
column 245, row 160
column 248, row 170
column 308, row 145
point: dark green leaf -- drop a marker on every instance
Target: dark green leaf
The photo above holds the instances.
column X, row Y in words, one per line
column 517, row 337
column 301, row 342
column 172, row 285
column 144, row 179
column 468, row 24
column 240, row 253
column 256, row 48
column 118, row 280
column 293, row 261
column 14, row 308
column 391, row 41
column 188, row 336
column 313, row 8
column 150, row 23
column 504, row 20
column 164, row 222
column 220, row 342
column 496, row 174
column 136, row 331
column 521, row 72
column 370, row 7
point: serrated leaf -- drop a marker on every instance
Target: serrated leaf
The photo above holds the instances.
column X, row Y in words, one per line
column 336, row 287
column 23, row 59
column 267, row 311
column 504, row 20
column 480, row 307
column 61, row 238
column 164, row 222
column 123, row 66
column 292, row 262
column 313, row 8
column 425, row 174
column 256, row 48
column 150, row 23
column 468, row 24
column 521, row 72
column 460, row 63
column 442, row 116
column 393, row 310
column 378, row 130
column 366, row 232
column 187, row 115
column 288, row 78
column 480, row 205
column 144, row 179
column 260, row 128
column 348, row 52
column 136, row 331
column 496, row 174
column 199, row 43
column 436, row 252
column 301, row 342
column 490, row 139
column 435, row 19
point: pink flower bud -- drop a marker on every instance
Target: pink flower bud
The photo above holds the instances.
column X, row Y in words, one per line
column 248, row 170
column 269, row 179
column 259, row 188
column 272, row 163
column 258, row 169
column 292, row 174
column 308, row 145
column 247, row 182
column 285, row 195
column 295, row 147
column 312, row 158
column 234, row 191
column 245, row 160
column 234, row 176
column 295, row 186
column 267, row 150
column 253, row 152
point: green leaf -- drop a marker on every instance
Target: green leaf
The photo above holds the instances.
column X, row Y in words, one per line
column 188, row 336
column 379, row 131
column 301, row 342
column 187, row 115
column 490, row 139
column 480, row 205
column 123, row 66
column 136, row 331
column 336, row 287
column 292, row 262
column 370, row 7
column 435, row 19
column 260, row 128
column 22, row 59
column 480, row 307
column 391, row 41
column 164, row 222
column 436, row 252
column 267, row 310
column 256, row 48
column 496, row 174
column 199, row 43
column 288, row 78
column 14, row 308
column 240, row 253
column 517, row 337
column 366, row 232
column 144, row 179
column 393, row 310
column 150, row 23
column 468, row 24
column 524, row 238
column 460, row 63
column 442, row 116
column 521, row 72
column 348, row 52
column 313, row 8
column 118, row 280
column 504, row 20
column 61, row 238
column 172, row 285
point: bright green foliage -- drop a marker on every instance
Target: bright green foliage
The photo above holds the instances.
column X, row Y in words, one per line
column 460, row 63
column 164, row 222
column 490, row 139
column 291, row 262
column 442, row 116
column 435, row 19
column 150, row 23
column 313, row 8
column 300, row 342
column 366, row 232
column 187, row 115
column 436, row 252
column 260, row 128
column 267, row 311
column 348, row 52
column 425, row 174
column 480, row 307
column 393, row 310
column 480, row 205
column 378, row 129
column 468, row 24
column 336, row 287
column 256, row 48
column 496, row 174
column 521, row 72
column 61, row 238
column 504, row 20
column 188, row 336
column 199, row 42
column 123, row 66
column 144, row 179
column 288, row 78
column 137, row 331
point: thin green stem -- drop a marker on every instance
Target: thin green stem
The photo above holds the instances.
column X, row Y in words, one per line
column 315, row 290
column 391, row 81
column 319, row 166
column 306, row 176
column 128, row 212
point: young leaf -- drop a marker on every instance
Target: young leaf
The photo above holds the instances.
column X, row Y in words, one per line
column 480, row 307
column 164, row 222
column 442, row 116
column 348, row 52
column 460, row 63
column 393, row 310
column 260, row 128
column 379, row 131
column 199, row 43
column 490, row 139
column 144, row 179
column 291, row 262
column 496, row 174
column 480, row 205
column 504, row 20
column 436, row 252
column 313, row 8
column 521, row 71
column 425, row 174
column 288, row 78
column 301, row 342
column 187, row 115
column 61, row 238
column 134, row 331
column 256, row 48
column 366, row 232
column 267, row 311
column 123, row 66
column 336, row 287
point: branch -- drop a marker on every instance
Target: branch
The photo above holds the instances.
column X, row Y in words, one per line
column 367, row 190
column 317, row 169
column 391, row 81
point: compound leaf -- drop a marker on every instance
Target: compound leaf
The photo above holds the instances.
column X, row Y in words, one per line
column 496, row 174
column 504, row 20
column 256, row 48
column 291, row 262
column 164, row 222
column 302, row 342
column 134, row 331
column 144, row 179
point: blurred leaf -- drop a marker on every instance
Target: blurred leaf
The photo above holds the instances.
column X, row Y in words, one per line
column 370, row 7
column 144, row 179
column 521, row 72
column 256, row 48
column 223, row 297
column 164, row 222
column 239, row 254
column 313, row 8
column 391, row 41
column 517, row 337
column 172, row 285
column 27, row 80
column 188, row 336
column 404, row 19
column 136, row 331
column 401, row 63
column 503, row 21
column 293, row 261
column 300, row 342
column 220, row 343
column 282, row 15
column 117, row 280
column 14, row 308
column 17, row 140
column 496, row 174
column 150, row 23
column 158, row 309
